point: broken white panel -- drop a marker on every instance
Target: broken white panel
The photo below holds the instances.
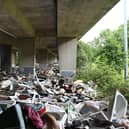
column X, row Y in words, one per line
column 119, row 108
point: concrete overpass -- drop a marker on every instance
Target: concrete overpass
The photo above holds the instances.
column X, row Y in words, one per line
column 48, row 29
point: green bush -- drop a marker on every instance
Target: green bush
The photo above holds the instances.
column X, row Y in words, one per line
column 106, row 78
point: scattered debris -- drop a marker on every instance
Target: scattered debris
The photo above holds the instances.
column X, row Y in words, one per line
column 57, row 101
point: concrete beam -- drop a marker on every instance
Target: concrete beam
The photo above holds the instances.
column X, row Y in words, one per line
column 39, row 40
column 5, row 39
column 14, row 11
column 76, row 17
column 50, row 51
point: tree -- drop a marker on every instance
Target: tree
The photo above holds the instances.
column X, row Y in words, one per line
column 102, row 61
column 85, row 55
column 111, row 49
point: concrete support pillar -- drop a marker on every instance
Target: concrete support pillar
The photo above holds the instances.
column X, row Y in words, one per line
column 44, row 57
column 67, row 57
column 52, row 58
column 46, row 51
column 13, row 59
column 26, row 52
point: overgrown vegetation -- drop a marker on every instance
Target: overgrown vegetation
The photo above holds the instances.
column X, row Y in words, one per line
column 103, row 61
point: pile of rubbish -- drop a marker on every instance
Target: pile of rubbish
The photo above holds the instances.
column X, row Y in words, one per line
column 49, row 100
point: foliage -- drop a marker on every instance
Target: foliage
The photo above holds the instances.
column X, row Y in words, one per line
column 102, row 61
column 105, row 77
column 111, row 49
column 85, row 54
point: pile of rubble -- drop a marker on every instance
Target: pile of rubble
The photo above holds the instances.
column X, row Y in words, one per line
column 71, row 103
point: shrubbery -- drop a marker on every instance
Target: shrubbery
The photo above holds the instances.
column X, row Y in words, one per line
column 103, row 61
column 106, row 78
